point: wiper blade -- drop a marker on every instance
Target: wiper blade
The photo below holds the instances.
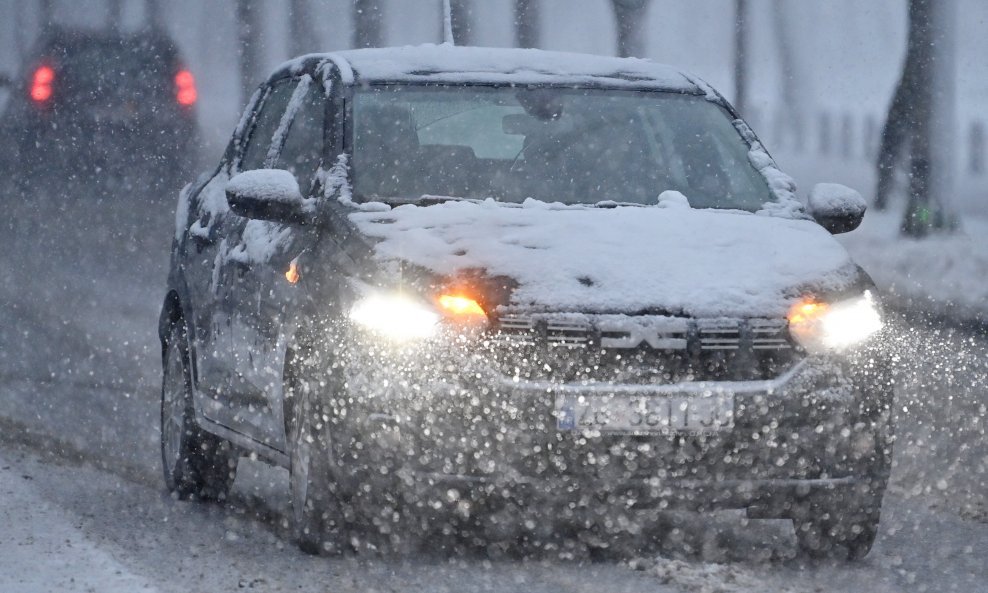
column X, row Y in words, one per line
column 425, row 200
column 613, row 204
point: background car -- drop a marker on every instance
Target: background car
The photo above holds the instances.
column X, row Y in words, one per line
column 101, row 107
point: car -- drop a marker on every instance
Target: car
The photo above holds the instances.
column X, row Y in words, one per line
column 101, row 106
column 522, row 291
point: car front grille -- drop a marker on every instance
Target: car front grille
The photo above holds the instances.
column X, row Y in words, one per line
column 639, row 349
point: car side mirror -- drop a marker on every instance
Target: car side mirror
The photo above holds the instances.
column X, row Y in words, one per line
column 269, row 194
column 836, row 207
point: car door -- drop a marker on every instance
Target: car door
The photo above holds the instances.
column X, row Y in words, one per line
column 212, row 228
column 260, row 289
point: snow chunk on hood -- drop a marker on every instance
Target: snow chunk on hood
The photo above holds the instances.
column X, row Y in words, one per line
column 671, row 198
column 705, row 263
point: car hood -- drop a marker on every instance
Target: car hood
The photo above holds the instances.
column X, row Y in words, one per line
column 703, row 263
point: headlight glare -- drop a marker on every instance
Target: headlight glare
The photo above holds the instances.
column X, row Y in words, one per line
column 395, row 316
column 823, row 327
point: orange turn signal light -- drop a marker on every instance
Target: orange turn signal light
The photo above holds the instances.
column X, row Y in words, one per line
column 806, row 311
column 804, row 318
column 461, row 307
column 292, row 274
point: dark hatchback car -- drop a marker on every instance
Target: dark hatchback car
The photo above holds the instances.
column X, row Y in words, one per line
column 103, row 106
column 524, row 291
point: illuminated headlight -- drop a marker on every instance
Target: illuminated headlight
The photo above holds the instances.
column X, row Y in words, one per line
column 825, row 327
column 395, row 316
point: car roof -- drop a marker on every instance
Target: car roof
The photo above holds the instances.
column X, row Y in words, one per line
column 60, row 39
column 483, row 65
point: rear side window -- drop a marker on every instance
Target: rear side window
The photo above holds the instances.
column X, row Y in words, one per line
column 265, row 124
column 109, row 72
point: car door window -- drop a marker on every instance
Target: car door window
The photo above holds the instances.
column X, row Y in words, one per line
column 303, row 145
column 265, row 124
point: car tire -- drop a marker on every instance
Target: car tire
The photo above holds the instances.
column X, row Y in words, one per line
column 196, row 464
column 840, row 526
column 318, row 507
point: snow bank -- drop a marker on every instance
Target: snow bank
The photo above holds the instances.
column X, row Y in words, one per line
column 943, row 274
column 42, row 550
column 704, row 577
column 572, row 258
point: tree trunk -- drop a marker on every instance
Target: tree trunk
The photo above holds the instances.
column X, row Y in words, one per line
column 895, row 135
column 114, row 15
column 740, row 55
column 248, row 28
column 301, row 38
column 152, row 14
column 917, row 114
column 20, row 40
column 943, row 118
column 630, row 17
column 368, row 17
column 46, row 14
column 462, row 14
column 930, row 48
column 792, row 97
column 527, row 23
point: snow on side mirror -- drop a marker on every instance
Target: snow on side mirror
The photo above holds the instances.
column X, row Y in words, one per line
column 836, row 207
column 269, row 194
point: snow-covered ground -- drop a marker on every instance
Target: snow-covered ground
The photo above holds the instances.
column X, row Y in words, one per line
column 45, row 549
column 945, row 274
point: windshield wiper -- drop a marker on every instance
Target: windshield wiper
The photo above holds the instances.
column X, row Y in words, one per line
column 613, row 204
column 425, row 200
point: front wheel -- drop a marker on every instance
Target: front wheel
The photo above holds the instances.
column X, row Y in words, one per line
column 196, row 464
column 317, row 507
column 841, row 526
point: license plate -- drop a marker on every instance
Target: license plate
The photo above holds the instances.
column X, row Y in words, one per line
column 645, row 414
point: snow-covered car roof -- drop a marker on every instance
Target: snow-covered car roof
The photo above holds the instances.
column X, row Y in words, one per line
column 446, row 63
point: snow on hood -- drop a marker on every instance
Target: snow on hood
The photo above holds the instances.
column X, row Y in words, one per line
column 705, row 263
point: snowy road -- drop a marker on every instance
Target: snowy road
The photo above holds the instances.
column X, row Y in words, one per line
column 79, row 365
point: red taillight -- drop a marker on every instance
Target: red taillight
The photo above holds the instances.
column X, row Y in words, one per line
column 185, row 88
column 41, row 83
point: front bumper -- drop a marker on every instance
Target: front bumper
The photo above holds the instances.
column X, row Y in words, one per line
column 823, row 425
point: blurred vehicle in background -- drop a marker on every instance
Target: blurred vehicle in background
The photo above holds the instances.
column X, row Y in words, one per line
column 101, row 107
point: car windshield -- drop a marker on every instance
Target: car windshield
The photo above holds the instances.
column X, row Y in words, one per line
column 557, row 145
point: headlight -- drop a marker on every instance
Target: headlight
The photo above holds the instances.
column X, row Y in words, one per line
column 824, row 327
column 396, row 316
column 403, row 318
